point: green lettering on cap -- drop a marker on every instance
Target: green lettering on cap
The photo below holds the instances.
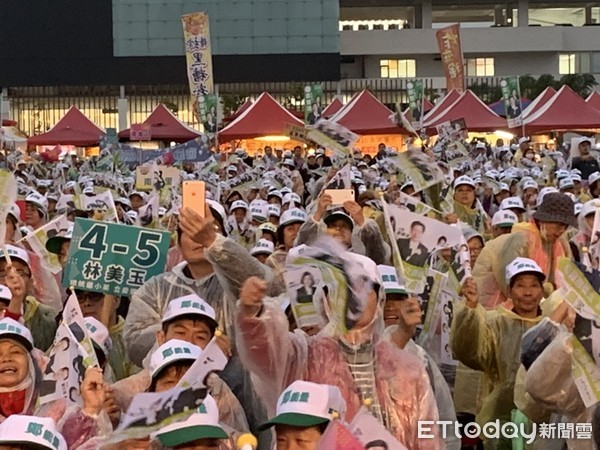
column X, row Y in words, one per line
column 48, row 436
column 167, row 352
column 34, row 428
column 286, row 397
column 186, row 304
column 202, row 409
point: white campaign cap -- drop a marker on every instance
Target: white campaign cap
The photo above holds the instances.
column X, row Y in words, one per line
column 590, row 207
column 262, row 247
column 500, row 188
column 239, row 204
column 5, row 293
column 288, row 162
column 54, row 244
column 202, row 424
column 530, row 184
column 576, row 177
column 133, row 215
column 464, row 179
column 70, row 185
column 306, row 404
column 99, row 334
column 524, row 139
column 512, row 203
column 26, row 430
column 294, row 215
column 389, row 279
column 162, row 211
column 543, row 192
column 218, row 208
column 566, row 183
column 268, row 226
column 259, row 210
column 231, row 168
column 16, row 253
column 595, row 176
column 11, row 329
column 170, row 352
column 123, row 201
column 274, row 210
column 578, row 208
column 562, row 173
column 285, row 190
column 15, row 212
column 523, row 265
column 140, row 194
column 38, row 200
column 504, row 218
column 292, row 197
column 189, row 304
column 275, row 193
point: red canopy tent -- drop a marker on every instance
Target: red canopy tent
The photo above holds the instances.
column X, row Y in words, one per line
column 239, row 111
column 74, row 128
column 441, row 106
column 332, row 108
column 539, row 101
column 366, row 115
column 265, row 117
column 165, row 126
column 477, row 115
column 594, row 99
column 565, row 111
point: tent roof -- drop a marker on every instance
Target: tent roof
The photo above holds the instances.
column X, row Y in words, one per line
column 265, row 117
column 74, row 128
column 332, row 108
column 13, row 134
column 477, row 115
column 165, row 126
column 239, row 111
column 365, row 114
column 538, row 102
column 594, row 99
column 564, row 111
column 440, row 107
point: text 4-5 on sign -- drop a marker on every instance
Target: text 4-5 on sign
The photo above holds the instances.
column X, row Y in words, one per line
column 112, row 258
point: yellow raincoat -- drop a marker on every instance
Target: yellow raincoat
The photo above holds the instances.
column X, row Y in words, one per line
column 491, row 342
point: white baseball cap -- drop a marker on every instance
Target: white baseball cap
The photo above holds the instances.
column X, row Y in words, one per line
column 530, row 184
column 292, row 197
column 162, row 211
column 562, row 173
column 285, row 190
column 5, row 293
column 288, row 162
column 306, row 404
column 262, row 247
column 576, row 177
column 275, row 193
column 259, row 211
column 70, row 185
column 142, row 195
column 578, row 207
column 31, row 430
column 99, row 334
column 501, row 187
column 389, row 279
column 15, row 212
column 566, row 183
column 523, row 265
column 512, row 203
column 293, row 215
column 274, row 210
column 170, row 352
column 123, row 201
column 524, row 139
column 595, row 176
column 55, row 242
column 202, row 424
column 38, row 200
column 466, row 180
column 11, row 329
column 590, row 207
column 189, row 304
column 16, row 253
column 543, row 192
column 133, row 215
column 239, row 204
column 504, row 218
column 231, row 168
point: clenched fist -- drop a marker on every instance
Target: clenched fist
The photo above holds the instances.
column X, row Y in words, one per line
column 252, row 294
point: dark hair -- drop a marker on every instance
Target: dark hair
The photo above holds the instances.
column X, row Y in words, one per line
column 376, row 443
column 309, row 274
column 417, row 223
column 194, row 318
column 180, row 367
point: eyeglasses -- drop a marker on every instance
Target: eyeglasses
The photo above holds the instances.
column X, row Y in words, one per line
column 22, row 272
column 475, row 249
column 90, row 296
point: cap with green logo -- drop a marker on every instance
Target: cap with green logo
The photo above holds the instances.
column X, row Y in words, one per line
column 31, row 430
column 171, row 352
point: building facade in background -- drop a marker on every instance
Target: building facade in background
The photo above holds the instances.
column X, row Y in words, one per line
column 116, row 59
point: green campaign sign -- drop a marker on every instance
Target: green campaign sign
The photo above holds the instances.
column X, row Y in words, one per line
column 112, row 258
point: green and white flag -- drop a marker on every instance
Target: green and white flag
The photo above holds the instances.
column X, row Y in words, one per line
column 511, row 97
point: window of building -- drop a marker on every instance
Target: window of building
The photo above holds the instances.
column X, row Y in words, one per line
column 398, row 68
column 480, row 67
column 566, row 64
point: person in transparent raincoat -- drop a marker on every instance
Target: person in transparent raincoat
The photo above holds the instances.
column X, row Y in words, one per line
column 215, row 268
column 368, row 370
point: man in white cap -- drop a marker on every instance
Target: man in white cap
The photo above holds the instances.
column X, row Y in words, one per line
column 304, row 410
column 585, row 162
column 503, row 221
column 491, row 342
column 262, row 250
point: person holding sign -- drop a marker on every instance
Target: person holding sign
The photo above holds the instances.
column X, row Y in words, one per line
column 491, row 342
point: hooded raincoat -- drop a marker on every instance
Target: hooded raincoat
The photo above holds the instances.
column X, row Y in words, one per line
column 491, row 342
column 277, row 357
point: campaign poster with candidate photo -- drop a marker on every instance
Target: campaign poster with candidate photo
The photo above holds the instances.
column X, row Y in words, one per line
column 305, row 288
